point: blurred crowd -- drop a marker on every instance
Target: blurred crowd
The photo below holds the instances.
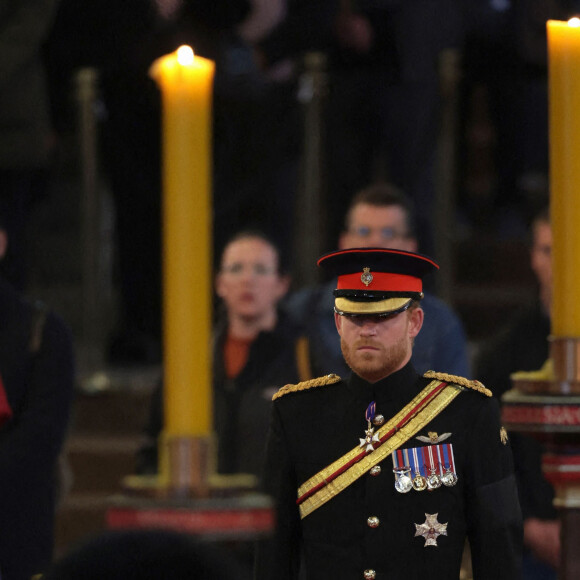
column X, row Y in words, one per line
column 381, row 114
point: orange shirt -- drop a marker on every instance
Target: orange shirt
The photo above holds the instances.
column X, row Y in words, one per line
column 236, row 352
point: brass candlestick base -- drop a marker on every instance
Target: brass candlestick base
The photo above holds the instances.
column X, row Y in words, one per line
column 189, row 496
column 560, row 375
column 187, row 470
column 188, row 459
column 565, row 354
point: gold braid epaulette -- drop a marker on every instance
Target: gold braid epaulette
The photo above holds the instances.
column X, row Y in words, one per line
column 475, row 385
column 305, row 385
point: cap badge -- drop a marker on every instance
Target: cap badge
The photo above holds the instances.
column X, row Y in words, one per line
column 366, row 277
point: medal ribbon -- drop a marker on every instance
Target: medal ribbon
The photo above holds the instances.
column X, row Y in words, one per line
column 334, row 478
column 370, row 412
column 425, row 460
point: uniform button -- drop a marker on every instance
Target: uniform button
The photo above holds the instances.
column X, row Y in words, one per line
column 369, row 574
column 373, row 522
column 376, row 470
column 378, row 420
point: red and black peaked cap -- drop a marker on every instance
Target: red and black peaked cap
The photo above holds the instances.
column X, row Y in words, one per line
column 376, row 280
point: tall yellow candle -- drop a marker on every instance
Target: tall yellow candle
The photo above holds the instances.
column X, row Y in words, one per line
column 564, row 117
column 186, row 84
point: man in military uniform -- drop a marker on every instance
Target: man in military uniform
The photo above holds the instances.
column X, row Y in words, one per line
column 386, row 474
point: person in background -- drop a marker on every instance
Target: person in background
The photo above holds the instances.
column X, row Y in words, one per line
column 255, row 350
column 523, row 346
column 380, row 216
column 26, row 135
column 382, row 93
column 36, row 394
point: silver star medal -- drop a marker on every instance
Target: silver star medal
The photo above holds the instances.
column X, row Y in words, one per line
column 430, row 530
column 370, row 436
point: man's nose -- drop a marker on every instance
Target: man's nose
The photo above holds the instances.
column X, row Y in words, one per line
column 375, row 240
column 368, row 327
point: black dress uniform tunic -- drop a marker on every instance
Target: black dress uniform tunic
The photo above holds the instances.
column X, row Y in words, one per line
column 369, row 529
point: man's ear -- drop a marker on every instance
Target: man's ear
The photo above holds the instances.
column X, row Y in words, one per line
column 338, row 323
column 415, row 321
column 3, row 243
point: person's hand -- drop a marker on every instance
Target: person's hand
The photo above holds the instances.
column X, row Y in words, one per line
column 354, row 31
column 542, row 537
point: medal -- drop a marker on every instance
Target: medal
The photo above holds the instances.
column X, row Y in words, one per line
column 449, row 478
column 433, row 481
column 419, row 481
column 430, row 530
column 403, row 482
column 446, row 459
column 402, row 469
column 370, row 436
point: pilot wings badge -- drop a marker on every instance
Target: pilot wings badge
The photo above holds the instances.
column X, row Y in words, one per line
column 433, row 438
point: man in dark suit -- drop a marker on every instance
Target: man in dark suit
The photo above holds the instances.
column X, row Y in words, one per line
column 36, row 391
column 393, row 471
column 522, row 345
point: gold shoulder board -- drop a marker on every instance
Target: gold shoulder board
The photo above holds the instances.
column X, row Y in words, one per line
column 475, row 385
column 305, row 385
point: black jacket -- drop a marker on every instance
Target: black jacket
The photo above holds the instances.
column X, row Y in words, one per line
column 241, row 406
column 313, row 428
column 39, row 388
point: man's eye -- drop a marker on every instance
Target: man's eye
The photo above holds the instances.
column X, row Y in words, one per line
column 388, row 233
column 363, row 232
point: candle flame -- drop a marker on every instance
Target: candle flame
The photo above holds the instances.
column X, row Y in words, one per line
column 575, row 22
column 185, row 55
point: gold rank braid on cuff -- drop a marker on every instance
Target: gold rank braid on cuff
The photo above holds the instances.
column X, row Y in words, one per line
column 305, row 385
column 461, row 381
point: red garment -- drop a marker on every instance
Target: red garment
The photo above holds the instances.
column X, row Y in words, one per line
column 236, row 353
column 5, row 409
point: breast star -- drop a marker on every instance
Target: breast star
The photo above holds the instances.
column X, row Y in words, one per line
column 431, row 530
